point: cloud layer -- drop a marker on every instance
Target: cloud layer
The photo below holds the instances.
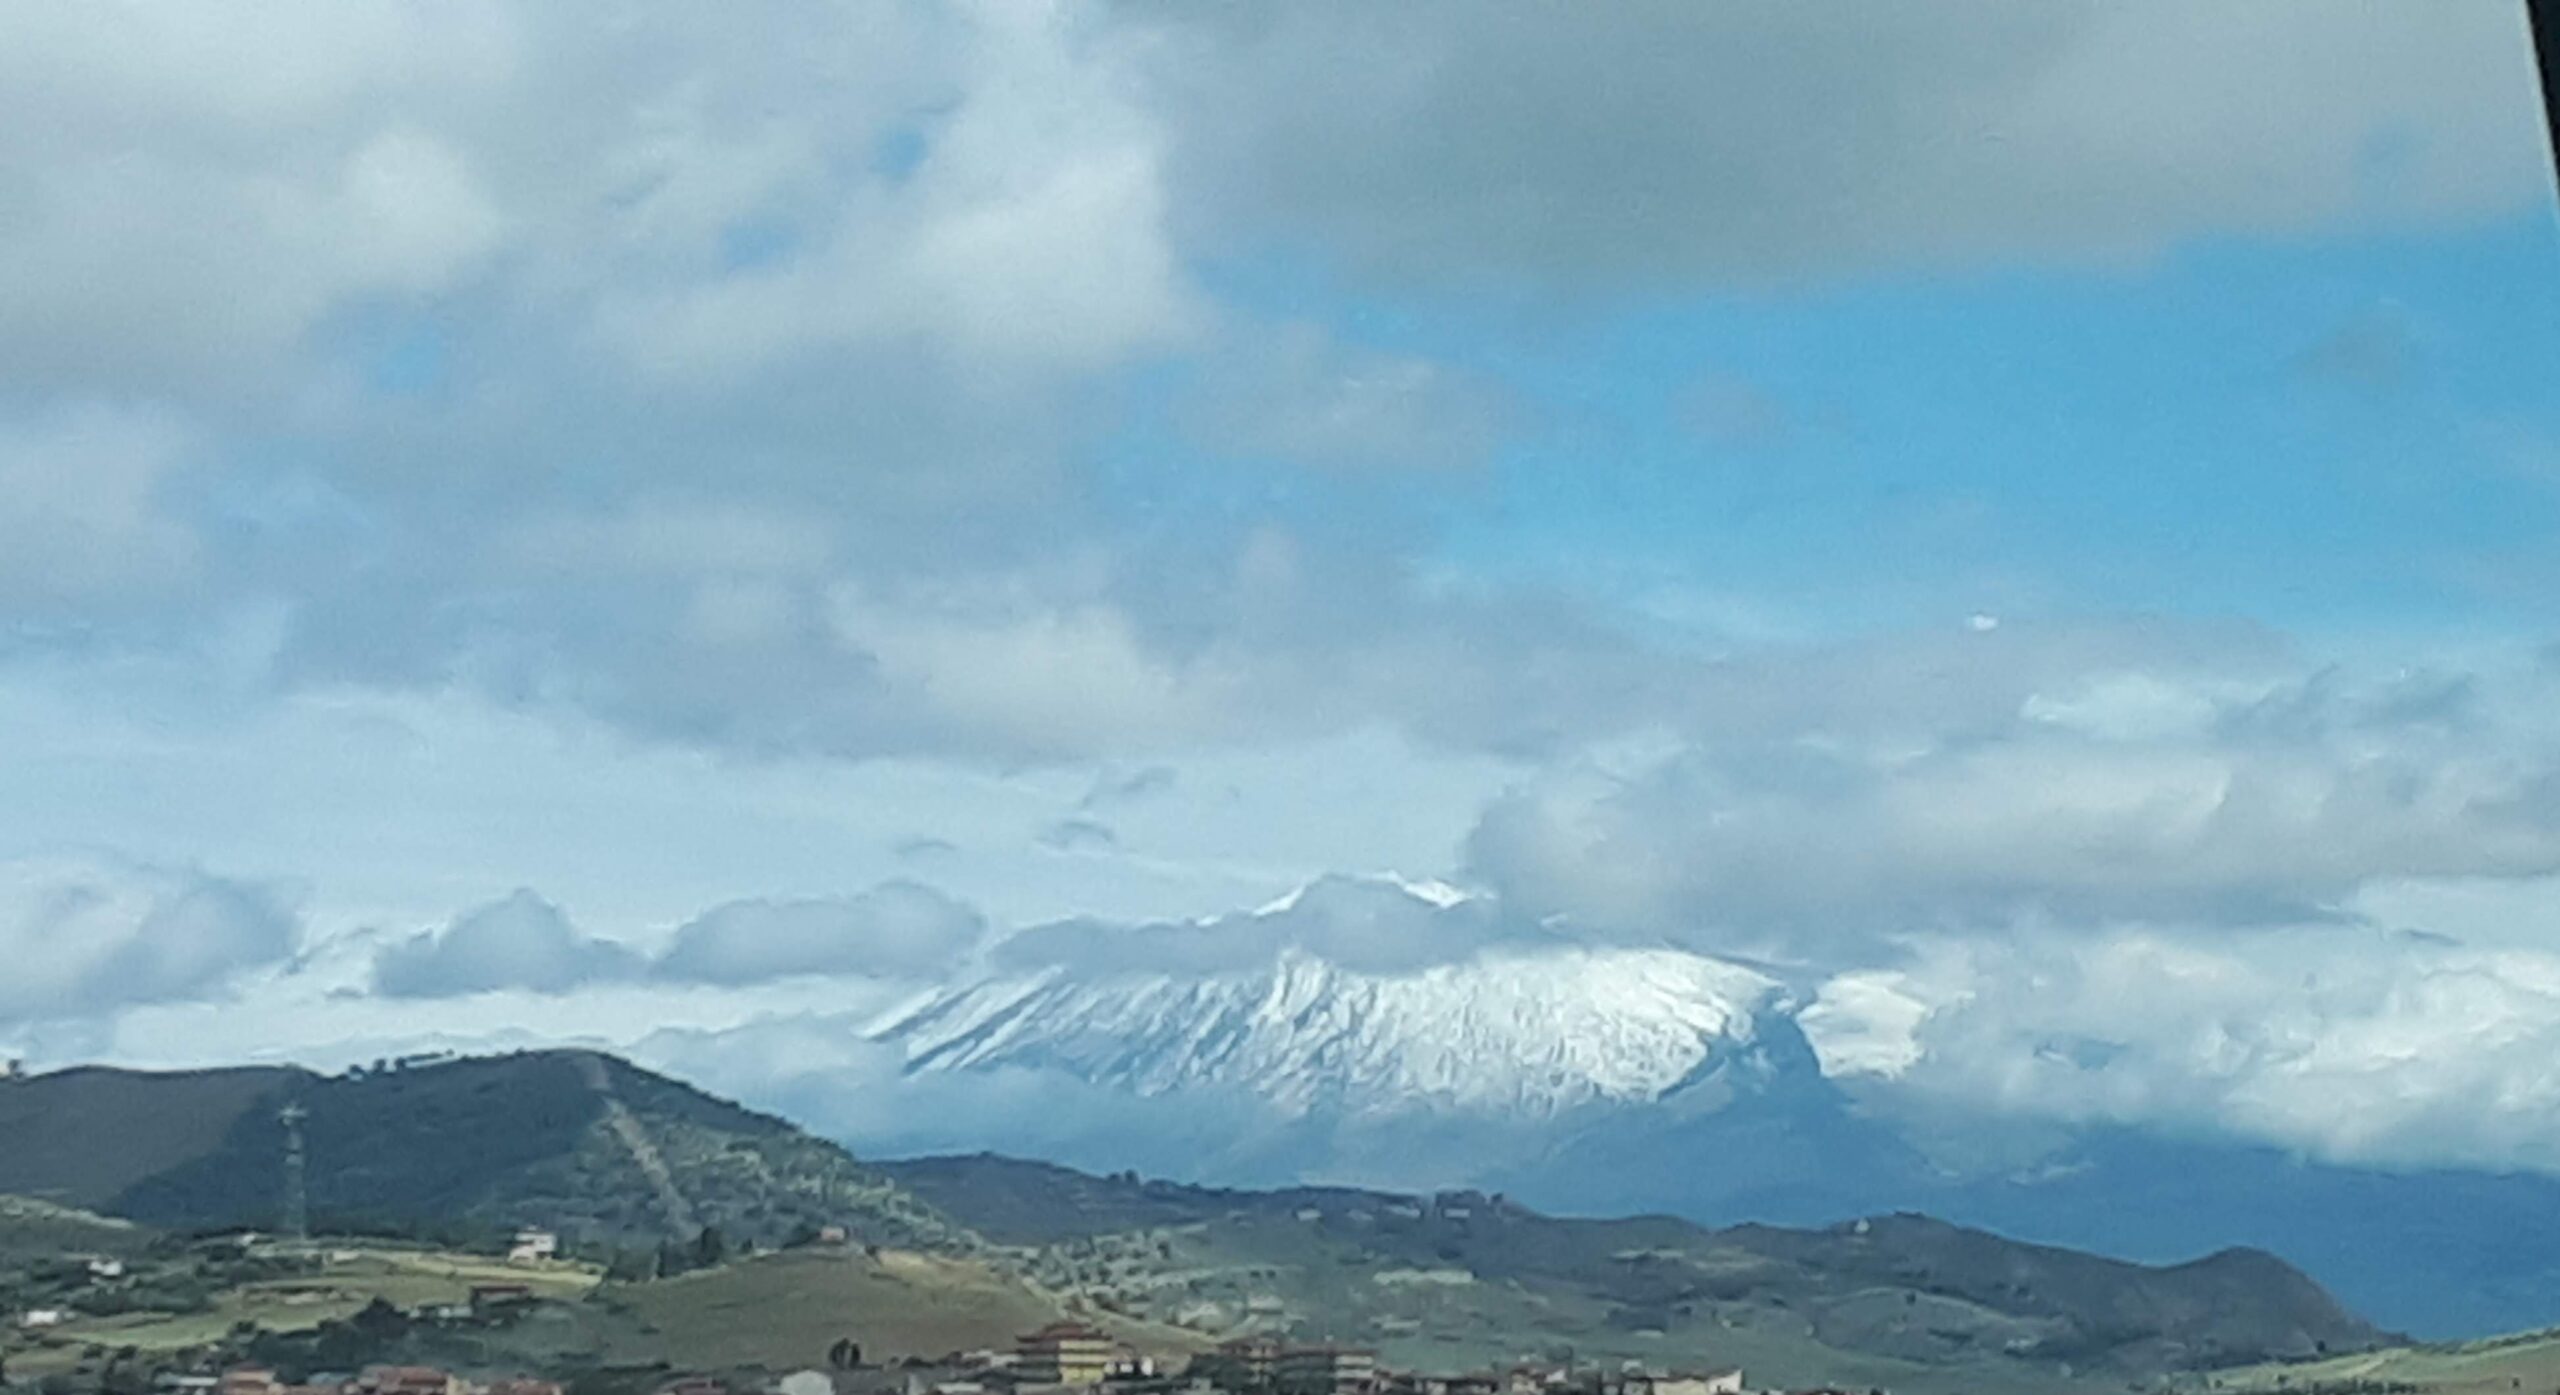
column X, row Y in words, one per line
column 88, row 936
column 1762, row 141
column 1193, row 449
column 783, row 383
column 2114, row 797
column 523, row 943
column 898, row 930
column 2371, row 1047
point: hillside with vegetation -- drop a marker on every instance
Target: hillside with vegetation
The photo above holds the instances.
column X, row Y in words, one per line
column 2523, row 1361
column 81, row 1137
column 603, row 1152
column 701, row 1233
column 344, row 1303
column 37, row 1228
column 1896, row 1300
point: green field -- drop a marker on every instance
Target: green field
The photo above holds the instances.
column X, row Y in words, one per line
column 786, row 1309
column 1258, row 1271
column 347, row 1281
column 775, row 1310
column 2527, row 1362
column 30, row 1228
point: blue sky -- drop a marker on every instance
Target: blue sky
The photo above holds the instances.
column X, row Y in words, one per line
column 2330, row 434
column 1909, row 499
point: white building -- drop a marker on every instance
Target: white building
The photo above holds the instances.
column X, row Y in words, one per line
column 534, row 1247
column 806, row 1383
column 1707, row 1383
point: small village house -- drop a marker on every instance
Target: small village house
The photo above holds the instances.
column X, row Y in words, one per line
column 1325, row 1370
column 407, row 1380
column 1064, row 1353
column 249, row 1380
column 489, row 1300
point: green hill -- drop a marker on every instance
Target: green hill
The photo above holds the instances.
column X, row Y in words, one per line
column 80, row 1137
column 589, row 1145
column 965, row 1250
column 1463, row 1279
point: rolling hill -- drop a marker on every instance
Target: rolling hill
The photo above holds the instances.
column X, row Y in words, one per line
column 80, row 1137
column 586, row 1144
column 972, row 1247
column 1466, row 1277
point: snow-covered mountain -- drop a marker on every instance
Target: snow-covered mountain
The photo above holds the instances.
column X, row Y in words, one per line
column 1522, row 1030
column 1522, row 1033
column 1404, row 1035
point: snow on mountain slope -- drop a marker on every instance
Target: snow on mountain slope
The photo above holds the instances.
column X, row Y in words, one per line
column 1522, row 1030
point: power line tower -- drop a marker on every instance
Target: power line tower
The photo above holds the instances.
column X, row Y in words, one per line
column 297, row 1201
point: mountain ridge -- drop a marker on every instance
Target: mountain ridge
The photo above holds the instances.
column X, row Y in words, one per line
column 1526, row 1034
column 575, row 1141
column 1720, row 1107
column 1907, row 1286
column 488, row 1143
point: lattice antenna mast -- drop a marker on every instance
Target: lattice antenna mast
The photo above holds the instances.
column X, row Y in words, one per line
column 297, row 1200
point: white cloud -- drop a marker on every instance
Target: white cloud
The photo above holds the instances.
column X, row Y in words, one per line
column 1367, row 924
column 191, row 198
column 964, row 660
column 2132, row 797
column 1020, row 234
column 84, row 517
column 897, row 930
column 700, row 199
column 519, row 942
column 84, row 936
column 767, row 355
column 1662, row 141
column 2363, row 1047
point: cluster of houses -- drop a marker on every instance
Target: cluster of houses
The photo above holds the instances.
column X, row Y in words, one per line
column 1070, row 1356
column 102, row 1269
column 1062, row 1357
column 372, row 1380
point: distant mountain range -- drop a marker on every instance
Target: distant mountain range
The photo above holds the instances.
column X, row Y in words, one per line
column 611, row 1154
column 1603, row 1081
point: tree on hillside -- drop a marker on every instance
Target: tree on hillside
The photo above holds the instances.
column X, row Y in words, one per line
column 709, row 1248
column 380, row 1321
